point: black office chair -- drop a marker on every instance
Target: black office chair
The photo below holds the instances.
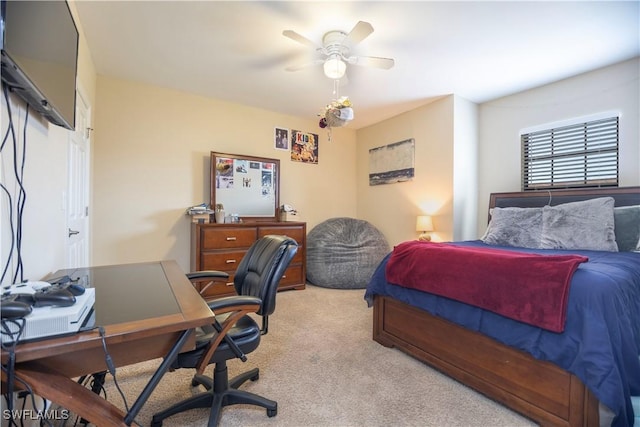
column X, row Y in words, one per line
column 234, row 333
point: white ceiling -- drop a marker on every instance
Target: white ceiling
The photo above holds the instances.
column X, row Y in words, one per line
column 478, row 50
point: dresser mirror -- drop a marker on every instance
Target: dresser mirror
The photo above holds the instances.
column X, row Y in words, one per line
column 246, row 186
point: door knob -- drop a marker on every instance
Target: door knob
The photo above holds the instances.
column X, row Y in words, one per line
column 73, row 232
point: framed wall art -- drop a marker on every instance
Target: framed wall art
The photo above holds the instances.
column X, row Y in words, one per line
column 392, row 163
column 281, row 139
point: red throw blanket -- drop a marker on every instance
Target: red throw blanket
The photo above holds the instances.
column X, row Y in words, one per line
column 530, row 288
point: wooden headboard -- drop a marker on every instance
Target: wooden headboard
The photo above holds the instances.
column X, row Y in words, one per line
column 624, row 196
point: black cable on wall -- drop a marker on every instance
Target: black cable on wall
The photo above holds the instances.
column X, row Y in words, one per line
column 15, row 206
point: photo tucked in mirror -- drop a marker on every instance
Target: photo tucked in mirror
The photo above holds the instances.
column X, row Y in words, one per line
column 245, row 186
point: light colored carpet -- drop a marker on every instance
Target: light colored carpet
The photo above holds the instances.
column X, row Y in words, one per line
column 321, row 365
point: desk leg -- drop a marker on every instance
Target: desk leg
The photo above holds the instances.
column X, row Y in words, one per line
column 157, row 376
column 58, row 388
column 96, row 386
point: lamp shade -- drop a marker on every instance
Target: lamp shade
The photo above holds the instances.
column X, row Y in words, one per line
column 334, row 67
column 424, row 223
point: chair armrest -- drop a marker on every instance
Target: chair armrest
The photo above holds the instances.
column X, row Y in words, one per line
column 210, row 275
column 222, row 305
column 237, row 306
column 207, row 274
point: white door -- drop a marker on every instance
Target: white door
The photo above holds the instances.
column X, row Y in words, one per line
column 78, row 187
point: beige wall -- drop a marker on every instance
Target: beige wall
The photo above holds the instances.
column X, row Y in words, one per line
column 465, row 169
column 151, row 152
column 393, row 207
column 43, row 151
column 613, row 89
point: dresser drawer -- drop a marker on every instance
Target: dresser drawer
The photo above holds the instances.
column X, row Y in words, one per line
column 223, row 261
column 298, row 258
column 222, row 246
column 292, row 276
column 225, row 238
column 295, row 232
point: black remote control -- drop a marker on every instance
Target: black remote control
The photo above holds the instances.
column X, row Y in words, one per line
column 53, row 296
column 74, row 288
column 11, row 307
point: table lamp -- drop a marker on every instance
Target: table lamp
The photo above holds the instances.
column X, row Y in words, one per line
column 424, row 224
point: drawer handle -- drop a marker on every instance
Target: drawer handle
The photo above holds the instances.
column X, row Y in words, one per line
column 284, row 276
column 230, row 261
column 230, row 284
column 231, row 239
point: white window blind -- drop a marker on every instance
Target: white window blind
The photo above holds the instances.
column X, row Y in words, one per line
column 577, row 155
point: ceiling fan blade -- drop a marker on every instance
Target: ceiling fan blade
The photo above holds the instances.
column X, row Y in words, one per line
column 360, row 32
column 299, row 38
column 305, row 65
column 372, row 61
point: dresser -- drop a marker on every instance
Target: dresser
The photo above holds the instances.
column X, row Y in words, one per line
column 222, row 246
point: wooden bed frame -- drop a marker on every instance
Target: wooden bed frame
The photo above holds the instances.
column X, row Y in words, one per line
column 536, row 389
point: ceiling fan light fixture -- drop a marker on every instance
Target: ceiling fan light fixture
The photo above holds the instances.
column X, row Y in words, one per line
column 334, row 67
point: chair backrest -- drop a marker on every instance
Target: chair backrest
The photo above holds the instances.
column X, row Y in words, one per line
column 262, row 267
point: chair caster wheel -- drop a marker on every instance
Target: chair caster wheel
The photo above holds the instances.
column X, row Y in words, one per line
column 272, row 413
column 256, row 377
column 155, row 423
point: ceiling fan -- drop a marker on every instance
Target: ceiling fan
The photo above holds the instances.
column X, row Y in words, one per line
column 335, row 51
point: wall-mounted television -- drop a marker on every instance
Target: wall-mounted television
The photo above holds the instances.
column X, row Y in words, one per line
column 39, row 41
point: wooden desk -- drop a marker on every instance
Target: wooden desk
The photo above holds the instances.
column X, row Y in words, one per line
column 147, row 310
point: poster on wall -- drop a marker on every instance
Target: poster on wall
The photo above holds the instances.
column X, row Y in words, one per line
column 392, row 163
column 304, row 147
column 224, row 173
column 281, row 139
column 267, row 179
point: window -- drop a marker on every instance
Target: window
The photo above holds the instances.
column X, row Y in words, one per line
column 577, row 155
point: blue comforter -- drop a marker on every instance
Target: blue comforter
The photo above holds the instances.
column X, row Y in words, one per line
column 601, row 340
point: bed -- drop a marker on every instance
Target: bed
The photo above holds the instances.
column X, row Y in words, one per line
column 513, row 362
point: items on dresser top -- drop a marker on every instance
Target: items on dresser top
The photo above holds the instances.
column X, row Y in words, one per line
column 222, row 246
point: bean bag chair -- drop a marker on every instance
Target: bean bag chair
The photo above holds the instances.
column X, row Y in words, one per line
column 344, row 252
